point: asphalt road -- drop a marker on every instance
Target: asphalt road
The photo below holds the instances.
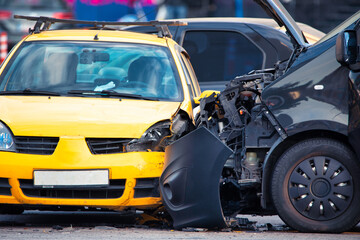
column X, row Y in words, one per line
column 111, row 225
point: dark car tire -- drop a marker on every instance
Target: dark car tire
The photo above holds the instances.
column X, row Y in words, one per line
column 317, row 203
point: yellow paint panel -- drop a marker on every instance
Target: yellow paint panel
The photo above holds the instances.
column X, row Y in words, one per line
column 103, row 35
column 82, row 116
column 72, row 153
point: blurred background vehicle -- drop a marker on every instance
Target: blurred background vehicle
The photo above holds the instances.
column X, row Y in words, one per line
column 222, row 48
column 17, row 29
column 320, row 14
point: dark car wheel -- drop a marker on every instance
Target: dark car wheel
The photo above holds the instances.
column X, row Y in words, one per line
column 315, row 186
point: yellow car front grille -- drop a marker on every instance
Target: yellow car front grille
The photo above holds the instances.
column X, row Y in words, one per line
column 36, row 145
column 147, row 187
column 114, row 190
column 107, row 145
column 5, row 188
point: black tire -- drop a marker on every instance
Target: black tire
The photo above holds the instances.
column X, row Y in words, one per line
column 317, row 203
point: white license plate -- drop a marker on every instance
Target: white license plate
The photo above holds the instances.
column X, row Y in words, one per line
column 60, row 178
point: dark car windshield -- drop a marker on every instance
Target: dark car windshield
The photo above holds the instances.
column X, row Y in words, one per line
column 34, row 5
column 92, row 69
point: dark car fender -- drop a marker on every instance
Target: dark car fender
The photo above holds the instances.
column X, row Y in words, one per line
column 299, row 131
column 189, row 184
column 267, row 173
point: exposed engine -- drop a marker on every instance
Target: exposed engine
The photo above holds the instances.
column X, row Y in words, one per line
column 240, row 119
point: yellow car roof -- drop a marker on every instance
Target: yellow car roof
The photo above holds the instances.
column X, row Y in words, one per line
column 102, row 36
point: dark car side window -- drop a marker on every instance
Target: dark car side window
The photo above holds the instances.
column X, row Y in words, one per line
column 221, row 55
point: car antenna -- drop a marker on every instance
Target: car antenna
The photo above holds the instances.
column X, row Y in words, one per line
column 96, row 37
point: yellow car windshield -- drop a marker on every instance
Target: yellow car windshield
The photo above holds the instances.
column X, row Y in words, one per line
column 92, row 70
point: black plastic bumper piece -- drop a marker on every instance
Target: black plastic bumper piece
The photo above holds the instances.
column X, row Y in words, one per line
column 189, row 184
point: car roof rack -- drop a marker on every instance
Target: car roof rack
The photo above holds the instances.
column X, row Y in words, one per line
column 44, row 23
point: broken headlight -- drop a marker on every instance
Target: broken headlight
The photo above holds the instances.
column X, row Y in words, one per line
column 152, row 140
column 6, row 139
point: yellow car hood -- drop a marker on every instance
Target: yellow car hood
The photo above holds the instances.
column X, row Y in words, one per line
column 82, row 116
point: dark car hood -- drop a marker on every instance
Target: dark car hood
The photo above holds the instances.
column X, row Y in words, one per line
column 277, row 11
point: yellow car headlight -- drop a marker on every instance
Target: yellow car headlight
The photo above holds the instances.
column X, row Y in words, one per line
column 6, row 139
column 153, row 139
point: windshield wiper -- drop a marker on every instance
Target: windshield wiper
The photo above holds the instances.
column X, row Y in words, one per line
column 110, row 93
column 28, row 91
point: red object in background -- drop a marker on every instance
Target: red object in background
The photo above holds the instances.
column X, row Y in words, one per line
column 5, row 14
column 96, row 2
column 3, row 46
column 63, row 15
column 70, row 2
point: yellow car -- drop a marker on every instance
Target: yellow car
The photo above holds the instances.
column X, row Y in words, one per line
column 85, row 116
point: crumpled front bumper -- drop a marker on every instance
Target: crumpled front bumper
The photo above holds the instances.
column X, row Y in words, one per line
column 133, row 177
column 190, row 181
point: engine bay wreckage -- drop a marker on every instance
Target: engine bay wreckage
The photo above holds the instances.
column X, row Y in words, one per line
column 278, row 141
